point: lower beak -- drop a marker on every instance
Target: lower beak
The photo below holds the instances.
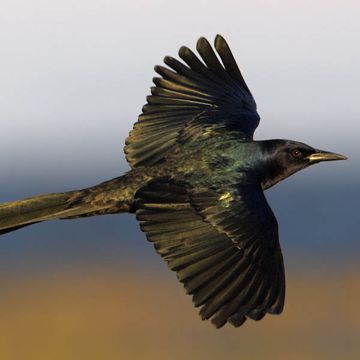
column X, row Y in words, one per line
column 320, row 155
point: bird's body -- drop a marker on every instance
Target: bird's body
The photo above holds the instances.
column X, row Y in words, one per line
column 196, row 185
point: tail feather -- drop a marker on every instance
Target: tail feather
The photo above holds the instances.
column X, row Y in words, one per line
column 110, row 197
column 17, row 214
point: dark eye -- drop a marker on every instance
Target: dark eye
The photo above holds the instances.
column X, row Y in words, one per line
column 296, row 153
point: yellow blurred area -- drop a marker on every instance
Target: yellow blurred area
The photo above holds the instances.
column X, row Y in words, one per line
column 115, row 314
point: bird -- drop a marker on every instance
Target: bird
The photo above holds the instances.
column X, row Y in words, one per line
column 196, row 186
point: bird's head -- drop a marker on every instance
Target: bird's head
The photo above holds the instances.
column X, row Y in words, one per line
column 286, row 157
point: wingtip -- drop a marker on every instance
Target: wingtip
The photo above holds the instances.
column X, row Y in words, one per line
column 168, row 60
column 201, row 43
column 221, row 44
column 183, row 51
column 156, row 80
column 218, row 322
column 204, row 314
column 237, row 320
column 277, row 307
column 219, row 40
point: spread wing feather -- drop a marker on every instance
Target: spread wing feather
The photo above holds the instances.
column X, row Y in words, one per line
column 223, row 246
column 208, row 95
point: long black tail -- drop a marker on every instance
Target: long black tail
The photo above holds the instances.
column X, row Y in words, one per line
column 108, row 197
column 17, row 214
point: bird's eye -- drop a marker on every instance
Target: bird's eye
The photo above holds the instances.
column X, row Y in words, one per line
column 296, row 153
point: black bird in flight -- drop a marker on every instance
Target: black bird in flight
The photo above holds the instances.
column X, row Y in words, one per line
column 196, row 185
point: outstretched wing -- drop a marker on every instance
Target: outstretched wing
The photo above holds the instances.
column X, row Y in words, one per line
column 222, row 244
column 202, row 98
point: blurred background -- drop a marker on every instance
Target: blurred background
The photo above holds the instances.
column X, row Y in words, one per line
column 73, row 78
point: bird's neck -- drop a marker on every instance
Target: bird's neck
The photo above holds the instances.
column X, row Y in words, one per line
column 273, row 172
column 268, row 165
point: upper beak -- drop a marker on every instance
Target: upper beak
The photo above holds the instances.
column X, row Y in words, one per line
column 321, row 155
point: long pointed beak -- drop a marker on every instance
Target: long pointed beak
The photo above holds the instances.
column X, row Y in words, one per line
column 321, row 155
